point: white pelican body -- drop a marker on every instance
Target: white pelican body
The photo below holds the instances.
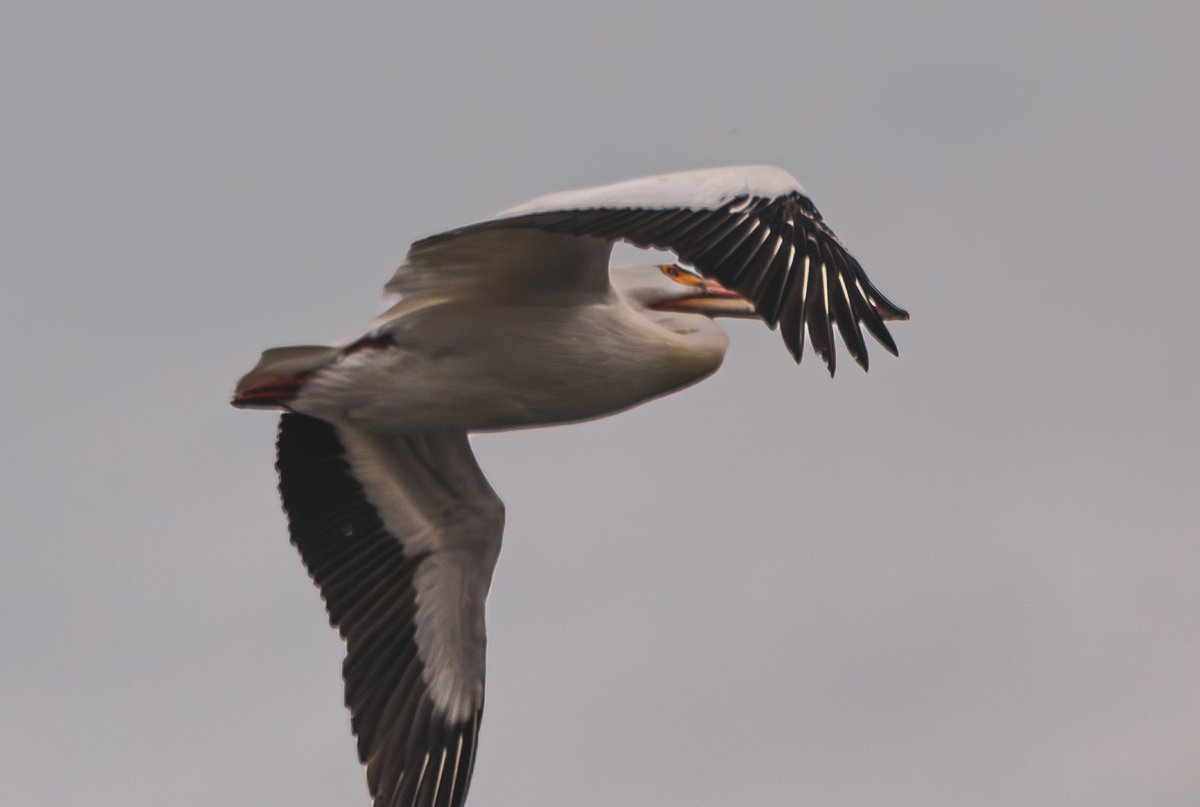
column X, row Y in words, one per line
column 476, row 367
column 514, row 322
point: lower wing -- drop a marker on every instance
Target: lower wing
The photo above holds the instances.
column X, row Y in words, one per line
column 401, row 534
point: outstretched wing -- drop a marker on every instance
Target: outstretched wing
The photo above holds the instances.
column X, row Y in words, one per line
column 401, row 534
column 753, row 228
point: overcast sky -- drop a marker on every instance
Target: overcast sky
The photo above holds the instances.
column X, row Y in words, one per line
column 970, row 577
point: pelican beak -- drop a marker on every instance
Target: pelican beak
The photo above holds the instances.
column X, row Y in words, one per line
column 711, row 299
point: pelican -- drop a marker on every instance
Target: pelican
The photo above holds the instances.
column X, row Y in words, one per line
column 513, row 322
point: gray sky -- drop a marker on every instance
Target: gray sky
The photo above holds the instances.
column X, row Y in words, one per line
column 969, row 577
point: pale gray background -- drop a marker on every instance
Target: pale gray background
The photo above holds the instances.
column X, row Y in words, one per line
column 967, row 578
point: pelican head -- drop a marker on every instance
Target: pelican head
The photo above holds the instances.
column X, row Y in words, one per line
column 672, row 288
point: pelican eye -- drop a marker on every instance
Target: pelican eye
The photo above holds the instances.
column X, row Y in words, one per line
column 681, row 275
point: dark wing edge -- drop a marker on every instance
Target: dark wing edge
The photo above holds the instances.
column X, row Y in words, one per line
column 777, row 252
column 414, row 756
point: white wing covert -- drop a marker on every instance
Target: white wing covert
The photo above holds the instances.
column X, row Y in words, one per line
column 504, row 264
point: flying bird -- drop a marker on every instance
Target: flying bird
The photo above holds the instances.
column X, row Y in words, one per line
column 513, row 322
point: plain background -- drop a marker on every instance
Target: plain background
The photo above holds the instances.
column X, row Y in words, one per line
column 969, row 577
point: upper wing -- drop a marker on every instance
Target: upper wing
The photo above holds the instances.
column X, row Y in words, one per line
column 752, row 228
column 401, row 534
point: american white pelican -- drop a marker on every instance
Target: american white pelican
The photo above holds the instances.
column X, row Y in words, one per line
column 515, row 321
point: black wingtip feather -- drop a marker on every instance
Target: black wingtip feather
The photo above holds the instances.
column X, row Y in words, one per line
column 820, row 322
column 879, row 331
column 847, row 320
column 887, row 309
